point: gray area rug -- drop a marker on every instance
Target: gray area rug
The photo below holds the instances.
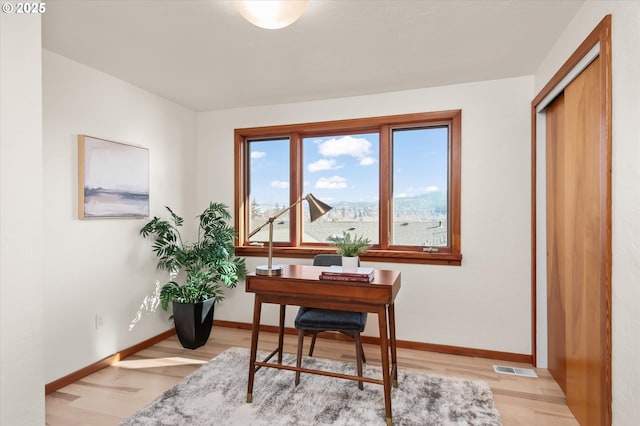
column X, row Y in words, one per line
column 215, row 394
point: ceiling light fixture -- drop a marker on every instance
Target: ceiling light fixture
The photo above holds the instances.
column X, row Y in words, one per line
column 270, row 14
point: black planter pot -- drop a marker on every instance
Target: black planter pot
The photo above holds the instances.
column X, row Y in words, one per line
column 193, row 322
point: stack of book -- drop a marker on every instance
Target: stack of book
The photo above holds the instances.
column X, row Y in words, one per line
column 335, row 273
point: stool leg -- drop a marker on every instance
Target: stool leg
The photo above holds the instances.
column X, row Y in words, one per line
column 359, row 356
column 313, row 342
column 299, row 355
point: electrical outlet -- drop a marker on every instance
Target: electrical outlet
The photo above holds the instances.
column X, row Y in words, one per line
column 99, row 320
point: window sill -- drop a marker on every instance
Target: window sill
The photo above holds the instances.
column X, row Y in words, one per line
column 391, row 256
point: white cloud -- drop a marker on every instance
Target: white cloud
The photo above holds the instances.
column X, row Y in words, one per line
column 347, row 145
column 334, row 182
column 367, row 161
column 431, row 189
column 280, row 184
column 401, row 195
column 322, row 164
column 257, row 154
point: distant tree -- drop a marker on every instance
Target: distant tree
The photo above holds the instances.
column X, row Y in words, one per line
column 255, row 208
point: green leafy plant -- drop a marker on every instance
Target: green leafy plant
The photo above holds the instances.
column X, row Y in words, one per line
column 350, row 247
column 207, row 263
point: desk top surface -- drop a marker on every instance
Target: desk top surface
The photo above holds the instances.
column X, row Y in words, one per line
column 304, row 281
column 312, row 273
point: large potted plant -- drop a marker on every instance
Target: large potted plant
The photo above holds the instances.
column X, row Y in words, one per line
column 207, row 264
column 350, row 248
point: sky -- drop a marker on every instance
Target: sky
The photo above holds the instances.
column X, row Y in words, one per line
column 345, row 168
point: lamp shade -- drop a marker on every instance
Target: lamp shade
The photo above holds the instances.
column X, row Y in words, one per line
column 270, row 14
column 316, row 207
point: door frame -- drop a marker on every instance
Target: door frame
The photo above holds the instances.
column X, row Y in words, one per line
column 597, row 43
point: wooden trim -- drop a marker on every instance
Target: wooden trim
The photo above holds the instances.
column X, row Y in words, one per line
column 597, row 35
column 601, row 34
column 455, row 186
column 385, row 226
column 354, row 125
column 372, row 255
column 80, row 197
column 406, row 344
column 239, row 183
column 459, row 350
column 607, row 136
column 297, row 187
column 534, row 242
column 105, row 362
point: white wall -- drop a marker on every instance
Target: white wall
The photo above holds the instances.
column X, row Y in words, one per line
column 102, row 266
column 626, row 181
column 21, row 215
column 486, row 302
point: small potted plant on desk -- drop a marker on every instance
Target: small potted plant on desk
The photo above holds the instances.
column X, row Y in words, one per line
column 350, row 249
column 207, row 263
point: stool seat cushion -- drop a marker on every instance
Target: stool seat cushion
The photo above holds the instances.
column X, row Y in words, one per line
column 330, row 320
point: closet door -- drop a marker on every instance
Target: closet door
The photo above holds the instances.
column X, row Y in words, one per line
column 578, row 215
column 556, row 222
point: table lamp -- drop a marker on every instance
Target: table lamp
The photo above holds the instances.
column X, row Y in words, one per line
column 316, row 209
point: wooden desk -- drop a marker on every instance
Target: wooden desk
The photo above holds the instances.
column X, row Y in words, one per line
column 299, row 285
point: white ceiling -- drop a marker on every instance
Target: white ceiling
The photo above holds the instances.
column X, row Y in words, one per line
column 205, row 56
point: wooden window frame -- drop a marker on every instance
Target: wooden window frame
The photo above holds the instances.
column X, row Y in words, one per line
column 383, row 251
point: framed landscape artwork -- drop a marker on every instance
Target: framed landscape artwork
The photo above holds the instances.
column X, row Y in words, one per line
column 113, row 179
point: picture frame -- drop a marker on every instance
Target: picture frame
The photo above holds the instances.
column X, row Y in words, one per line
column 113, row 179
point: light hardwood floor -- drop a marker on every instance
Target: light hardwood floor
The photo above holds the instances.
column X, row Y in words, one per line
column 112, row 394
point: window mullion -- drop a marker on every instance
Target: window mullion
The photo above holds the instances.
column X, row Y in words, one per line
column 385, row 186
column 296, row 188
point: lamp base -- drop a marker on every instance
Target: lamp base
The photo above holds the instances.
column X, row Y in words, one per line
column 264, row 270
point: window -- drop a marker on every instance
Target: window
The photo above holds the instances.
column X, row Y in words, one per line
column 268, row 186
column 420, row 181
column 343, row 171
column 393, row 179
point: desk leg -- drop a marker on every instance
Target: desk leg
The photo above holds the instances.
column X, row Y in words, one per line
column 255, row 329
column 283, row 309
column 392, row 333
column 384, row 352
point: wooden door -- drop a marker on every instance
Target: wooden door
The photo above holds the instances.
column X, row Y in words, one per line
column 555, row 225
column 578, row 235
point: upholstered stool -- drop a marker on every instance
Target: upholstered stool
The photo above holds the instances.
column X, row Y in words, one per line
column 312, row 321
